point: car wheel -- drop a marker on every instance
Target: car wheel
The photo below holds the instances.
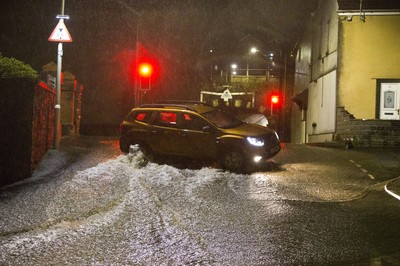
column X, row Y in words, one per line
column 234, row 161
column 147, row 152
column 124, row 145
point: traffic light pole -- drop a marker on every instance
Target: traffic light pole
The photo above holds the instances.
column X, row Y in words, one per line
column 272, row 107
column 137, row 89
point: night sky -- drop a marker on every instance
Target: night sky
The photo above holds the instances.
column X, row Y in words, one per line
column 178, row 34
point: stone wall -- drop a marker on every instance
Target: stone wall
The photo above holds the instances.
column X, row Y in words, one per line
column 366, row 133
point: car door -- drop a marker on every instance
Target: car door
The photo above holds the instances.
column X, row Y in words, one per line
column 197, row 136
column 166, row 133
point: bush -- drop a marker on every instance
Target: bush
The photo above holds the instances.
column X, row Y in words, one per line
column 13, row 68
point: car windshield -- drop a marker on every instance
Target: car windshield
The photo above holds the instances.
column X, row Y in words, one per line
column 222, row 119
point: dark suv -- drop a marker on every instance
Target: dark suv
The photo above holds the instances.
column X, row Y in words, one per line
column 197, row 130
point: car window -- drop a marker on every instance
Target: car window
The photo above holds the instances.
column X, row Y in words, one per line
column 165, row 119
column 192, row 122
column 143, row 117
column 222, row 119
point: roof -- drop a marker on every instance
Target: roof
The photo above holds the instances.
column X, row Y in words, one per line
column 50, row 67
column 369, row 5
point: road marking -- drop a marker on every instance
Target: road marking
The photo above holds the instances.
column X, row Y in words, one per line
column 373, row 178
column 391, row 193
column 362, row 169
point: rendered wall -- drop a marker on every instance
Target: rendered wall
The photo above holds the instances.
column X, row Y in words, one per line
column 369, row 50
column 316, row 70
column 301, row 83
column 321, row 117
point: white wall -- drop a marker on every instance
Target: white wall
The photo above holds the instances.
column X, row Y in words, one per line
column 318, row 51
column 322, row 105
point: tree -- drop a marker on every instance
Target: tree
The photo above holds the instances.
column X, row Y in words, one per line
column 13, row 68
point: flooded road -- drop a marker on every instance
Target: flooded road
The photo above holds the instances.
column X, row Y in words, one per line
column 111, row 209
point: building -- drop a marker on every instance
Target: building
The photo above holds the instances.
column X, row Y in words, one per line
column 347, row 75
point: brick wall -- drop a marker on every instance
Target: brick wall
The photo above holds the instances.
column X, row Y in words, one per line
column 26, row 118
column 43, row 122
column 367, row 133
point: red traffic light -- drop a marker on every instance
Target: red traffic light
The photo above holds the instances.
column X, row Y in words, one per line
column 275, row 99
column 145, row 70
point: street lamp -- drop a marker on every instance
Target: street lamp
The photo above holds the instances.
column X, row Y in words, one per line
column 234, row 67
column 254, row 50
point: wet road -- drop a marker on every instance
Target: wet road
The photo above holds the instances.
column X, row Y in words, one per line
column 310, row 206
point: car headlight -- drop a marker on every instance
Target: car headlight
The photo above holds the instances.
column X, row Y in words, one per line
column 257, row 159
column 256, row 141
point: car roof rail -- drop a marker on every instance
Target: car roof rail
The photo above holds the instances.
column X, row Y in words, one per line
column 160, row 105
column 182, row 102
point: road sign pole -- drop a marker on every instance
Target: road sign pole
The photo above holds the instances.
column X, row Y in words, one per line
column 57, row 107
column 60, row 34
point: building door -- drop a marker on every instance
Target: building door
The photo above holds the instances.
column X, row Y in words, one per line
column 390, row 101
